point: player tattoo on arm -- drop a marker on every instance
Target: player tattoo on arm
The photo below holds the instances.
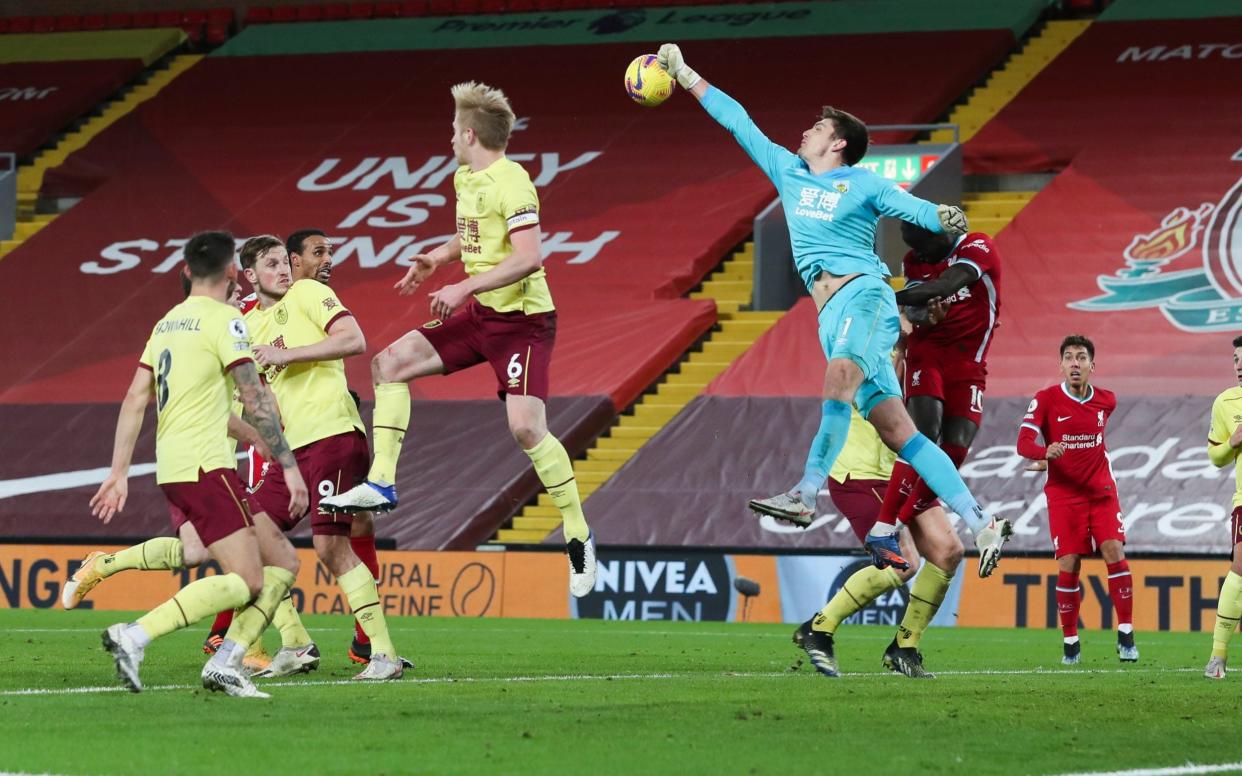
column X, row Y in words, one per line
column 261, row 412
column 916, row 315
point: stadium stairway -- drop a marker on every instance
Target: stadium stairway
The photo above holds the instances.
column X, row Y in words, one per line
column 30, row 174
column 1003, row 84
column 730, row 285
column 991, row 211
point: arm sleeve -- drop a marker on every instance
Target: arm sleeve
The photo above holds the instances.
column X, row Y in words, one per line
column 1219, row 450
column 233, row 342
column 1028, row 447
column 893, row 201
column 519, row 205
column 1032, row 428
column 727, row 112
column 978, row 251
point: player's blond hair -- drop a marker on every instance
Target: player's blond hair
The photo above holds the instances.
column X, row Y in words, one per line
column 485, row 110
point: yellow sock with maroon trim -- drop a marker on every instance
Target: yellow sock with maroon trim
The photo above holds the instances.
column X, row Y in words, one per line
column 863, row 587
column 292, row 632
column 556, row 472
column 359, row 588
column 250, row 622
column 163, row 554
column 1228, row 613
column 926, row 595
column 392, row 418
column 194, row 602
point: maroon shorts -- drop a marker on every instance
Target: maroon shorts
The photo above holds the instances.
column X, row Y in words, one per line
column 1080, row 525
column 957, row 381
column 329, row 466
column 859, row 501
column 176, row 517
column 1235, row 527
column 517, row 345
column 216, row 505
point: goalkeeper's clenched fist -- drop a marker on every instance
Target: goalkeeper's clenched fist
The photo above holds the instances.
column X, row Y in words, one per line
column 669, row 57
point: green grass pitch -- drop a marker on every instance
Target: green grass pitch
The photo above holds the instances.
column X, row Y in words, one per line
column 524, row 696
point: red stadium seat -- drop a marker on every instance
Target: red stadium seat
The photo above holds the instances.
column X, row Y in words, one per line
column 414, row 8
column 464, row 7
column 335, row 12
column 113, row 21
column 68, row 23
column 144, row 19
column 216, row 34
column 361, row 10
column 43, row 24
column 441, row 7
column 258, row 15
column 284, row 13
column 168, row 19
column 94, row 21
column 4, row 25
column 193, row 31
column 307, row 13
column 491, row 6
column 388, row 10
column 220, row 16
column 196, row 16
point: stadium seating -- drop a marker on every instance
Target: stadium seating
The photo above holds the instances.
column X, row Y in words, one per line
column 657, row 221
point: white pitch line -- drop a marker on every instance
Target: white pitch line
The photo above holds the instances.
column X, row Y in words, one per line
column 36, row 691
column 1176, row 770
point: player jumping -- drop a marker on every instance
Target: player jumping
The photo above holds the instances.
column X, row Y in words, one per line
column 510, row 323
column 1083, row 510
column 832, row 208
column 1224, row 441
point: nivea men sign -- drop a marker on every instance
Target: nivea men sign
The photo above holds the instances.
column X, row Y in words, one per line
column 660, row 586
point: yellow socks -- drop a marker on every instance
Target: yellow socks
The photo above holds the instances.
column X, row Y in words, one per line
column 359, row 588
column 250, row 622
column 863, row 587
column 557, row 475
column 164, row 553
column 1228, row 612
column 292, row 631
column 926, row 595
column 392, row 417
column 194, row 602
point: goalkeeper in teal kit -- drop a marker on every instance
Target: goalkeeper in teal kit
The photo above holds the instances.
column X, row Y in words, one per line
column 832, row 209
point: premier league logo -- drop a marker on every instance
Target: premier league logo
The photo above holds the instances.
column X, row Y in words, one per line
column 1200, row 299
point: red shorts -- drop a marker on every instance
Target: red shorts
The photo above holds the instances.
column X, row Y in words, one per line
column 957, row 381
column 216, row 505
column 329, row 466
column 858, row 501
column 1080, row 525
column 517, row 345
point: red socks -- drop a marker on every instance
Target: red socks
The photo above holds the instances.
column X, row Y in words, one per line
column 1068, row 598
column 223, row 620
column 900, row 483
column 1121, row 590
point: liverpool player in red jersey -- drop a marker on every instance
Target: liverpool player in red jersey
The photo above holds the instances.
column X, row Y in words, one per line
column 1083, row 510
column 952, row 295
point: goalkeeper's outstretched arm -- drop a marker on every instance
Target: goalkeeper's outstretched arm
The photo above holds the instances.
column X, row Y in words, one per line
column 669, row 57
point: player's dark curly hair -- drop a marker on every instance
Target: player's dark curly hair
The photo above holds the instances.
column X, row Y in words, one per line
column 1237, row 342
column 849, row 128
column 1077, row 340
column 207, row 254
column 294, row 242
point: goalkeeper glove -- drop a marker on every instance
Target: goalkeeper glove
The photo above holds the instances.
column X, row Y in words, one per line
column 952, row 219
column 669, row 57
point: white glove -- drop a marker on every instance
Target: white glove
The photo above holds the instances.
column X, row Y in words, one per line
column 669, row 57
column 952, row 219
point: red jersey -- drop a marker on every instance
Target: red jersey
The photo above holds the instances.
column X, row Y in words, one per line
column 1083, row 470
column 974, row 311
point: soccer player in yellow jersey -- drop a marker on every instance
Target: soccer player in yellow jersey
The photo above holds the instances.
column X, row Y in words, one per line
column 857, row 483
column 192, row 352
column 301, row 333
column 1224, row 442
column 510, row 323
